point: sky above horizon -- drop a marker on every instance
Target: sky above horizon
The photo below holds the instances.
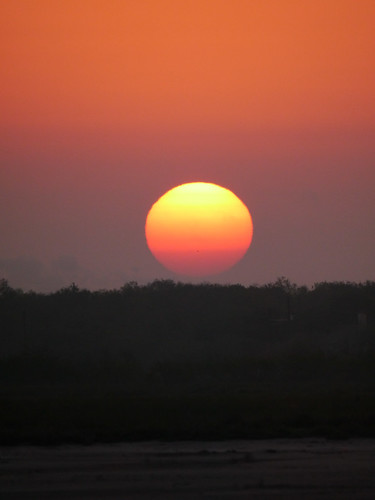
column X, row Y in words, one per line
column 107, row 104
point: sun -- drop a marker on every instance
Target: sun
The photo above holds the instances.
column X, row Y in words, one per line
column 198, row 229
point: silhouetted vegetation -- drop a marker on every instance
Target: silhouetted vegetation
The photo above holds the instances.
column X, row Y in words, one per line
column 173, row 360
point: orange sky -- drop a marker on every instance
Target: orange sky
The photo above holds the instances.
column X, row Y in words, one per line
column 107, row 104
column 167, row 63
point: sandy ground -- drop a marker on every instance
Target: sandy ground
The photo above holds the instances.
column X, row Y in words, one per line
column 288, row 469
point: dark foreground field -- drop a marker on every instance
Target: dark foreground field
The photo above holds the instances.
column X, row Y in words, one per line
column 273, row 412
column 289, row 469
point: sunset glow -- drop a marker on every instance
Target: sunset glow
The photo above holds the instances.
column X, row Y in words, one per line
column 198, row 229
column 107, row 104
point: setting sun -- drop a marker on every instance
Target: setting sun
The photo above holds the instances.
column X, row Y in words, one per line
column 198, row 229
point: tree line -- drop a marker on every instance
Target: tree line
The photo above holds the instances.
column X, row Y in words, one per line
column 158, row 354
column 165, row 318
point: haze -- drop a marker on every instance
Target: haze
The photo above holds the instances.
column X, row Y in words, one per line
column 106, row 105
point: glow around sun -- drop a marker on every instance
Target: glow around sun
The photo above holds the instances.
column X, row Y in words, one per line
column 198, row 229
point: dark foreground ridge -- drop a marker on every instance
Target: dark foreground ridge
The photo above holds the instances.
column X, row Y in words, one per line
column 176, row 361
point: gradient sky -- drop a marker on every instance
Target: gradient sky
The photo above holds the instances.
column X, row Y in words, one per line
column 107, row 104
